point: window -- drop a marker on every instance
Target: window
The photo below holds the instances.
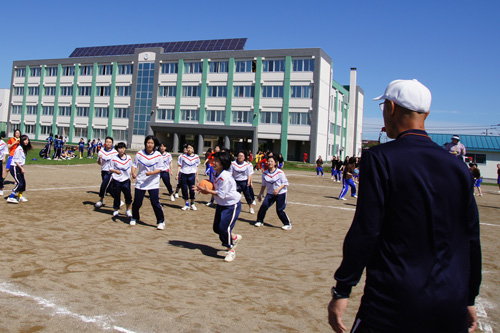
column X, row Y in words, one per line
column 270, row 117
column 63, row 131
column 84, row 91
column 165, row 114
column 190, row 115
column 18, row 91
column 217, row 91
column 20, row 72
column 245, row 66
column 170, row 68
column 100, row 133
column 48, row 111
column 272, row 91
column 244, row 91
column 125, row 69
column 219, row 66
column 15, row 127
column 301, row 91
column 191, row 91
column 67, row 91
column 35, row 71
column 82, row 111
column 45, row 130
column 193, row 67
column 120, row 135
column 103, row 90
column 31, row 109
column 86, row 70
column 68, row 70
column 168, row 91
column 29, row 129
column 303, row 65
column 80, row 132
column 51, row 71
column 242, row 117
column 101, row 112
column 477, row 158
column 273, row 65
column 17, row 109
column 105, row 70
column 124, row 90
column 50, row 91
column 34, row 91
column 121, row 112
column 65, row 111
column 215, row 116
column 299, row 118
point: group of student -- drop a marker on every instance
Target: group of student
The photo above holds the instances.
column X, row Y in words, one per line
column 346, row 171
column 261, row 160
column 58, row 141
column 15, row 150
column 229, row 177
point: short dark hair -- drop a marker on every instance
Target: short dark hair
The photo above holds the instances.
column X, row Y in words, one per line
column 108, row 137
column 272, row 157
column 120, row 145
column 224, row 158
column 155, row 140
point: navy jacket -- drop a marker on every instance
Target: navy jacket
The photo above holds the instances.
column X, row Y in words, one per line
column 416, row 230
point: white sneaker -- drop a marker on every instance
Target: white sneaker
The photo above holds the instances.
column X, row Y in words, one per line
column 160, row 226
column 258, row 224
column 230, row 256
column 255, row 203
column 1, row 192
column 12, row 200
column 342, row 199
column 251, row 211
column 176, row 195
column 129, row 213
column 122, row 203
column 354, row 196
column 132, row 221
column 236, row 241
column 193, row 207
column 185, row 208
column 172, row 198
column 49, row 158
column 209, row 204
column 22, row 199
column 287, row 227
column 115, row 213
column 98, row 204
column 480, row 194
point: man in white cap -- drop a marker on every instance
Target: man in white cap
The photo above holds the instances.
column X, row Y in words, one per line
column 455, row 147
column 415, row 230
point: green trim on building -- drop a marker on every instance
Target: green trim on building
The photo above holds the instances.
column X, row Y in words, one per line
column 257, row 92
column 230, row 94
column 344, row 121
column 73, row 104
column 112, row 95
column 286, row 107
column 180, row 71
column 92, row 97
column 25, row 93
column 203, row 92
column 40, row 96
column 56, row 100
column 336, row 103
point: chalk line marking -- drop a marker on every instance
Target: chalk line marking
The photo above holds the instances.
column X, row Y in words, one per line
column 481, row 313
column 322, row 206
column 60, row 310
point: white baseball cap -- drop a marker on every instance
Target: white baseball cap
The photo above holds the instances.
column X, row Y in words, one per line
column 409, row 94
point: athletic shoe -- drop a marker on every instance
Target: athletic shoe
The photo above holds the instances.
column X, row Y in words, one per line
column 22, row 199
column 193, row 207
column 172, row 198
column 251, row 211
column 480, row 194
column 160, row 226
column 255, row 203
column 230, row 256
column 48, row 158
column 342, row 199
column 354, row 196
column 176, row 195
column 1, row 192
column 185, row 208
column 258, row 224
column 210, row 204
column 132, row 221
column 98, row 204
column 129, row 213
column 236, row 241
column 287, row 227
column 12, row 200
column 122, row 203
column 115, row 213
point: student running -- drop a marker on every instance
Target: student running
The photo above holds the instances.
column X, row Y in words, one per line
column 104, row 159
column 121, row 168
column 242, row 172
column 348, row 181
column 188, row 173
column 165, row 175
column 17, row 170
column 4, row 151
column 319, row 167
column 12, row 145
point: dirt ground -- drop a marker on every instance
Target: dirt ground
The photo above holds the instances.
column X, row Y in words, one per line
column 68, row 267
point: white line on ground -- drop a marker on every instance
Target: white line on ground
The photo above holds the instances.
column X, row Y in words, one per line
column 322, row 206
column 60, row 310
column 481, row 313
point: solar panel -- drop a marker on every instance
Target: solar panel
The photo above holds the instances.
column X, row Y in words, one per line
column 168, row 47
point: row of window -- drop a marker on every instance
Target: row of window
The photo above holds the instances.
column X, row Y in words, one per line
column 123, row 69
column 239, row 91
column 295, row 118
column 66, row 111
column 68, row 91
column 118, row 135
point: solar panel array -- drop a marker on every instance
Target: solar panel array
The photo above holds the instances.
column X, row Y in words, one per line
column 168, row 47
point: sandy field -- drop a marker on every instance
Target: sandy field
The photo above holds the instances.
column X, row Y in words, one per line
column 68, row 267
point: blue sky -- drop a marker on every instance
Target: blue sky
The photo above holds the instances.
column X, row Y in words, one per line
column 449, row 45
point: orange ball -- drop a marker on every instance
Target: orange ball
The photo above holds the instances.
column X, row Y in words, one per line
column 206, row 183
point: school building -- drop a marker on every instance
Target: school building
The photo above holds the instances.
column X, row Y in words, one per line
column 207, row 93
